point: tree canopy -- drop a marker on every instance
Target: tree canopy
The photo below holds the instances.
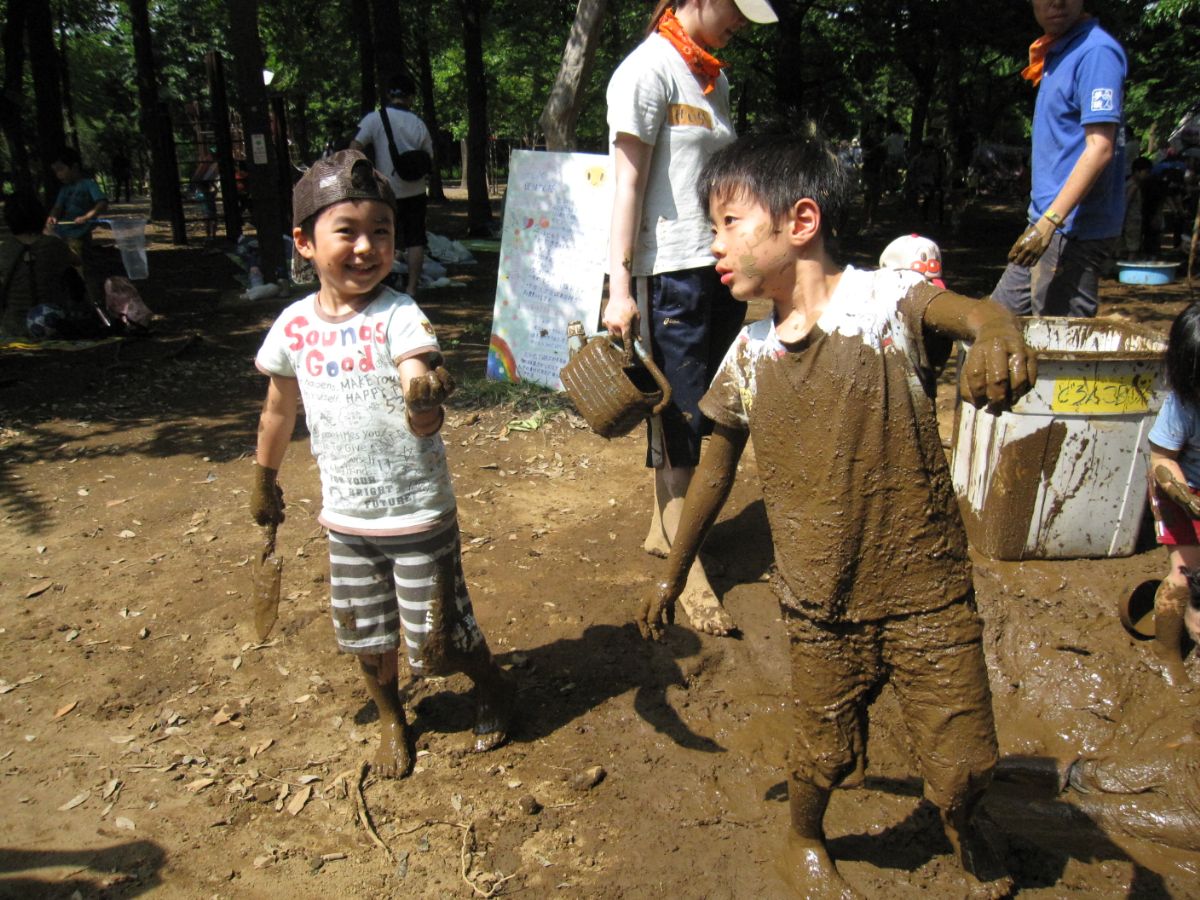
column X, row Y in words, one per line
column 938, row 68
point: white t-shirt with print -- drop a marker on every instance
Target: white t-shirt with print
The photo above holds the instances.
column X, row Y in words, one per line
column 410, row 134
column 377, row 477
column 654, row 96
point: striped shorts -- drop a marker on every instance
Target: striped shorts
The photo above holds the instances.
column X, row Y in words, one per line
column 414, row 582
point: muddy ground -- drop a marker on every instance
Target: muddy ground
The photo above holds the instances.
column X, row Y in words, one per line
column 149, row 745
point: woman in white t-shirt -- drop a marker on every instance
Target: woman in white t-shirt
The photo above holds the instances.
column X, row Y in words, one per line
column 668, row 111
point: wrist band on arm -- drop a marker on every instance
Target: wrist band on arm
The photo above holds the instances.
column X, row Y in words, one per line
column 1054, row 218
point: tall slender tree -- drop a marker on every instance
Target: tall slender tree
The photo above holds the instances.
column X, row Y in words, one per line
column 566, row 97
column 165, row 199
column 479, row 206
column 270, row 217
column 12, row 118
column 47, row 90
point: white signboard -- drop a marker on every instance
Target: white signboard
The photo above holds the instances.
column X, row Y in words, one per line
column 553, row 256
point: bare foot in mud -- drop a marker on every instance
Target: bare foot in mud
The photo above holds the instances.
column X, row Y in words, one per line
column 811, row 872
column 1170, row 666
column 656, row 543
column 986, row 876
column 703, row 609
column 494, row 710
column 394, row 758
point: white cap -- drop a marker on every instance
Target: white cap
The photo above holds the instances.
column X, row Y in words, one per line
column 758, row 11
column 917, row 253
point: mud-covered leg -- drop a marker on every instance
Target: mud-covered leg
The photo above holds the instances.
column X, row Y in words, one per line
column 1169, row 602
column 987, row 876
column 495, row 699
column 809, row 867
column 394, row 759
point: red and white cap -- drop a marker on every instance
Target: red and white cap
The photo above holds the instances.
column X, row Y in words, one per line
column 917, row 253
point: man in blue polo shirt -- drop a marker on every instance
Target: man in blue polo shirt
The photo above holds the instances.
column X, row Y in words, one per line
column 1077, row 204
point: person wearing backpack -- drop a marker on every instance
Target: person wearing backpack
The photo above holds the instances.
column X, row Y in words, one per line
column 41, row 293
column 403, row 150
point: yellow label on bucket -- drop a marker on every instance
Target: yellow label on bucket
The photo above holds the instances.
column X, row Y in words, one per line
column 1103, row 394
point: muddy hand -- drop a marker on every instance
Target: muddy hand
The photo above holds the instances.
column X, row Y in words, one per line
column 657, row 612
column 999, row 367
column 1177, row 491
column 1031, row 245
column 266, row 497
column 430, row 390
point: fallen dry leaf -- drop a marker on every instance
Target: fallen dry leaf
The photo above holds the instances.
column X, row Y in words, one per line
column 77, row 800
column 124, row 823
column 261, row 748
column 63, row 710
column 110, row 788
column 298, row 801
column 112, row 503
column 123, row 739
column 199, row 784
column 38, row 589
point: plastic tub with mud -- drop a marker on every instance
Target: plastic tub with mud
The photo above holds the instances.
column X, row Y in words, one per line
column 1063, row 474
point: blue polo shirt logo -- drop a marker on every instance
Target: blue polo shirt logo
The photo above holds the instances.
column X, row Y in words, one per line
column 1102, row 100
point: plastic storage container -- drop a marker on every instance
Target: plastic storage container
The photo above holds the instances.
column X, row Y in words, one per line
column 130, row 234
column 1063, row 474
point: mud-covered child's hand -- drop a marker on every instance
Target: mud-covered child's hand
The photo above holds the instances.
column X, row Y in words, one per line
column 657, row 612
column 999, row 367
column 266, row 497
column 1031, row 245
column 429, row 391
column 1177, row 491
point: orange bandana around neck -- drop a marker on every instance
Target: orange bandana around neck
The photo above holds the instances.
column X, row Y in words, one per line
column 699, row 60
column 1038, row 50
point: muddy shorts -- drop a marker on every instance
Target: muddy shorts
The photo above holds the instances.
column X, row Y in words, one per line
column 1172, row 526
column 692, row 321
column 380, row 586
column 410, row 221
column 934, row 660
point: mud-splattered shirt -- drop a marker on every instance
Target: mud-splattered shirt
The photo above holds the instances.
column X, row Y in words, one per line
column 377, row 477
column 858, row 493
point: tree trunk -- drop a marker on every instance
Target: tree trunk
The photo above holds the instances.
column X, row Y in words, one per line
column 165, row 200
column 219, row 100
column 437, row 191
column 12, row 119
column 68, row 103
column 479, row 207
column 270, row 218
column 368, row 93
column 388, row 30
column 566, row 96
column 47, row 91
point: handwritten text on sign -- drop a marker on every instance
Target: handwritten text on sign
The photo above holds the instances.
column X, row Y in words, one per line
column 553, row 256
column 1113, row 394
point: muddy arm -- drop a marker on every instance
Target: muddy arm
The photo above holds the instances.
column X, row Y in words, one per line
column 275, row 427
column 1171, row 481
column 999, row 367
column 707, row 494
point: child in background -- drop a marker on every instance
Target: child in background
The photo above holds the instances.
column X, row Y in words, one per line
column 873, row 578
column 366, row 362
column 75, row 215
column 1175, row 495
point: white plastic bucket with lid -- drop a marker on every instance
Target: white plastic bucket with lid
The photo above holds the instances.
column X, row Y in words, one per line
column 1063, row 474
column 130, row 234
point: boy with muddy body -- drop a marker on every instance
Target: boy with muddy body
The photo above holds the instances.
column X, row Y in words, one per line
column 873, row 574
column 366, row 362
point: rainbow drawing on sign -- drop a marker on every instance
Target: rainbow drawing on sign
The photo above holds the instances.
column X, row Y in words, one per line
column 501, row 365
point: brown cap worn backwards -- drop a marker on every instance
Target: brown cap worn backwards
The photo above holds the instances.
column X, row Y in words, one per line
column 347, row 175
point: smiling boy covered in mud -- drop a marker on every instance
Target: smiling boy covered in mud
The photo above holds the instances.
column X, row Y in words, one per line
column 872, row 569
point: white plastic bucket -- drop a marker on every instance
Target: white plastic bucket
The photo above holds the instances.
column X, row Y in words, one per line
column 1063, row 474
column 130, row 234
